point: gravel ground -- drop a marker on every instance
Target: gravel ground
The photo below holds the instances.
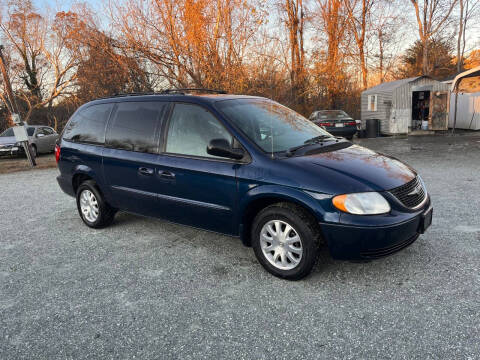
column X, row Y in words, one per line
column 145, row 288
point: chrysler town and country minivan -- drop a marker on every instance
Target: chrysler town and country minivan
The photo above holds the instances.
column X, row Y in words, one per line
column 242, row 166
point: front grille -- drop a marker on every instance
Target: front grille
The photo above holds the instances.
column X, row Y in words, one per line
column 410, row 194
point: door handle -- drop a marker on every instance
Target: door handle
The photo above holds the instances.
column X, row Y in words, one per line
column 166, row 174
column 145, row 171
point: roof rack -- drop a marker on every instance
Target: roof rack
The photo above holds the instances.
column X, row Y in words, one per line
column 183, row 90
column 132, row 94
column 166, row 92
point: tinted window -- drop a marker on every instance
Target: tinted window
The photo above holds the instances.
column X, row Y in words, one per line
column 88, row 125
column 30, row 131
column 135, row 125
column 190, row 130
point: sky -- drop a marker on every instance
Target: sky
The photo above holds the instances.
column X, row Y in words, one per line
column 410, row 32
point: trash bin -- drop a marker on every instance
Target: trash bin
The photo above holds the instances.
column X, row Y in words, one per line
column 372, row 128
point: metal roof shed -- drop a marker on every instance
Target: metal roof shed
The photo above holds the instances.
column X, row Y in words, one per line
column 402, row 104
column 465, row 101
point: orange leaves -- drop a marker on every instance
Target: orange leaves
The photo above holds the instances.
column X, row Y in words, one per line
column 473, row 59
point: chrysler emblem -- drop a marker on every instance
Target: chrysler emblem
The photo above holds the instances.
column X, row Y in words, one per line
column 415, row 191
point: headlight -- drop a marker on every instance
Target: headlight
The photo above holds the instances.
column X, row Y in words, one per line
column 367, row 203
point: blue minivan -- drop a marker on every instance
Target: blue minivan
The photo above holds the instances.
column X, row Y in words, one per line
column 242, row 166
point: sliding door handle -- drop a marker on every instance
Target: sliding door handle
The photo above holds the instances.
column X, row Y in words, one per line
column 145, row 171
column 166, row 174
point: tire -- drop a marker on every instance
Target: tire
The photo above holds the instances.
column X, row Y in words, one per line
column 89, row 197
column 350, row 137
column 287, row 259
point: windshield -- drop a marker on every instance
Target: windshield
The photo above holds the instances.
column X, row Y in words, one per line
column 332, row 114
column 273, row 127
column 9, row 132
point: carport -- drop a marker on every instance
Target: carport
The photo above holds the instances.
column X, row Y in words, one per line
column 465, row 104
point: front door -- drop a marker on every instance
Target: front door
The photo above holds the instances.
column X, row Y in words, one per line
column 42, row 140
column 52, row 137
column 197, row 188
column 438, row 111
column 130, row 156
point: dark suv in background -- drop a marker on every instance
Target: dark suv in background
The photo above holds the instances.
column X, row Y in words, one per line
column 242, row 166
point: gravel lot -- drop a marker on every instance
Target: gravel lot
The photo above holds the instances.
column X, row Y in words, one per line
column 145, row 288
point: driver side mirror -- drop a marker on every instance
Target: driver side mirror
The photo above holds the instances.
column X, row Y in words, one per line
column 222, row 148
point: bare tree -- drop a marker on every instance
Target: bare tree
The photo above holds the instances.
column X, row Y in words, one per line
column 44, row 64
column 358, row 12
column 294, row 23
column 432, row 16
column 333, row 23
column 388, row 32
column 200, row 43
column 468, row 9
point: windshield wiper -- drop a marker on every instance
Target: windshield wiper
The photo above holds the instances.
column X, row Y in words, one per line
column 314, row 140
column 317, row 139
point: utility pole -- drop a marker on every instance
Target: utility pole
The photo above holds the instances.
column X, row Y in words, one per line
column 13, row 108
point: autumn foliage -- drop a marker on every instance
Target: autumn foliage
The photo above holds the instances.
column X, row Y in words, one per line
column 307, row 54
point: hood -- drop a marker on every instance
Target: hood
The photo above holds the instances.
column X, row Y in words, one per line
column 351, row 169
column 4, row 140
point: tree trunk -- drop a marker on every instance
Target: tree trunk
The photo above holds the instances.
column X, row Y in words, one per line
column 380, row 40
column 425, row 70
column 459, row 40
column 363, row 65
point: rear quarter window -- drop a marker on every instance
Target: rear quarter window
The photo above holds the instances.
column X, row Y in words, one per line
column 88, row 124
column 135, row 126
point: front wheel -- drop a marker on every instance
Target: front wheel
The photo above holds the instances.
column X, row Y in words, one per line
column 93, row 209
column 285, row 239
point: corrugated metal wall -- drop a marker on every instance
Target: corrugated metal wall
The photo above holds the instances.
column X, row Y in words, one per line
column 468, row 111
column 381, row 106
column 398, row 118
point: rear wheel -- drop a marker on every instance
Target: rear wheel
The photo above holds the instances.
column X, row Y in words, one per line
column 93, row 209
column 285, row 239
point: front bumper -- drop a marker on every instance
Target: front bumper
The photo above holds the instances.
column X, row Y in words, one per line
column 350, row 242
column 11, row 150
column 342, row 131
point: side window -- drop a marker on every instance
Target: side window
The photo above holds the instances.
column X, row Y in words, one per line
column 48, row 131
column 372, row 102
column 88, row 125
column 190, row 130
column 41, row 131
column 134, row 126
